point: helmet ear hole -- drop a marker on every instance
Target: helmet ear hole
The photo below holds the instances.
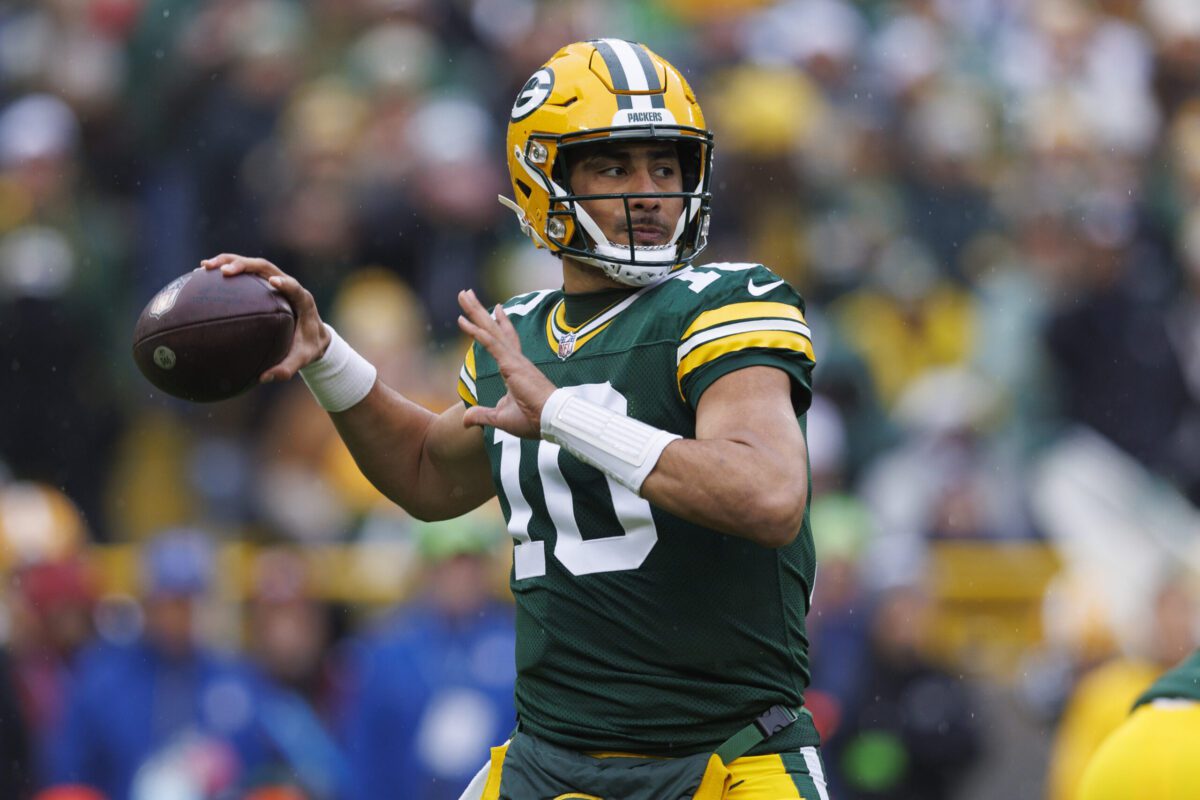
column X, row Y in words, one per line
column 525, row 188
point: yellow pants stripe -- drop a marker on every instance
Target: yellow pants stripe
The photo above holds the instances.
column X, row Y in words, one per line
column 765, row 777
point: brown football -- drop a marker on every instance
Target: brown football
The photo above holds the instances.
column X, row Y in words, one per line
column 207, row 336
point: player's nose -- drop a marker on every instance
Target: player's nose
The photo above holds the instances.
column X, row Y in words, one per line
column 642, row 182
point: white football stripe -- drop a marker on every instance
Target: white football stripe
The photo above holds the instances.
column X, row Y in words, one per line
column 731, row 329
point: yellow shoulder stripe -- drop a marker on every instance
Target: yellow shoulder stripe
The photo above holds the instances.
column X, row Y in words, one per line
column 740, row 311
column 465, row 394
column 469, row 361
column 776, row 340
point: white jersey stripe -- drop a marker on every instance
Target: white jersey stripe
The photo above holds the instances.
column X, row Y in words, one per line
column 521, row 309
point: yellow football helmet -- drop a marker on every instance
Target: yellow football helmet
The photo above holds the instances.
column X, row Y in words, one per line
column 595, row 91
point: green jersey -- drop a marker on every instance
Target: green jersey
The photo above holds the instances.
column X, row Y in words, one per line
column 1180, row 683
column 638, row 631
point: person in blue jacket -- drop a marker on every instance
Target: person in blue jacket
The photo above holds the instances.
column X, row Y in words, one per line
column 432, row 688
column 142, row 713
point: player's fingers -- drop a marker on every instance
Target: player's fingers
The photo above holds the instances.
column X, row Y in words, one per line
column 236, row 265
column 502, row 320
column 475, row 311
column 477, row 333
column 255, row 266
column 218, row 260
column 299, row 297
column 229, row 263
column 477, row 416
column 505, row 327
column 276, row 374
column 286, row 369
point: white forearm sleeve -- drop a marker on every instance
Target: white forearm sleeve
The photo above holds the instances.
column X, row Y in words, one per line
column 341, row 378
column 617, row 445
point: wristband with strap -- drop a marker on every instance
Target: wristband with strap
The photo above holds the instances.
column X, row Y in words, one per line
column 341, row 378
column 621, row 447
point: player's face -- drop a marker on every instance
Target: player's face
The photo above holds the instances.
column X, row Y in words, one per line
column 634, row 168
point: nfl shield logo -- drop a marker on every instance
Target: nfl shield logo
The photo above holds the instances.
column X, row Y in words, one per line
column 164, row 301
column 566, row 345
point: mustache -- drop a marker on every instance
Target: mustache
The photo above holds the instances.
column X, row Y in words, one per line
column 645, row 221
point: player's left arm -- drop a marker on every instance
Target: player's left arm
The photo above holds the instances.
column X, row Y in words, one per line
column 746, row 472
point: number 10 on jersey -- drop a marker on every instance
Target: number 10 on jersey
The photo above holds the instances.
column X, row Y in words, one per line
column 625, row 550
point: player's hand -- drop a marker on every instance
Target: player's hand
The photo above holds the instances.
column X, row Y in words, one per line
column 310, row 339
column 519, row 412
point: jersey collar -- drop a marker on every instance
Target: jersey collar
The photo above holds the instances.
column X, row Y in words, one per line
column 565, row 339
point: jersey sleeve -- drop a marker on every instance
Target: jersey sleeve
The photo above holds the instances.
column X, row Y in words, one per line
column 466, row 379
column 748, row 318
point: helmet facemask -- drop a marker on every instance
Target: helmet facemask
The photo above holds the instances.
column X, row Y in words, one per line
column 573, row 231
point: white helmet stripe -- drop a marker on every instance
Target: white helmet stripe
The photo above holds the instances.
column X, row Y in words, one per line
column 635, row 73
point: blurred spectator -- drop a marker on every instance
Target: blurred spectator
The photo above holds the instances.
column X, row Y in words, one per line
column 966, row 489
column 289, row 637
column 185, row 715
column 69, row 792
column 1183, row 328
column 61, row 293
column 1114, row 364
column 52, row 623
column 908, row 319
column 49, row 605
column 839, row 624
column 437, row 224
column 18, row 772
column 288, row 630
column 913, row 727
column 1102, row 698
column 433, row 686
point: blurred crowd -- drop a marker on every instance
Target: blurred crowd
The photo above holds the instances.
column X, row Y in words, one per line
column 992, row 208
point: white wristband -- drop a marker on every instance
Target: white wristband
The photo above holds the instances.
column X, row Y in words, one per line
column 341, row 378
column 621, row 447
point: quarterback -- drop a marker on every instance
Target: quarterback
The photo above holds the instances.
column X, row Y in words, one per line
column 643, row 427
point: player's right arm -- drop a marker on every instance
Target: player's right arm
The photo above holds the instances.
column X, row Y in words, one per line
column 429, row 464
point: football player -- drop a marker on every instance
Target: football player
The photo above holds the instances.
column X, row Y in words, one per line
column 643, row 426
column 1155, row 753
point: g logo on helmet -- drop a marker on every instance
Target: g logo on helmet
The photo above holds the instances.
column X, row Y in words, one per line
column 533, row 93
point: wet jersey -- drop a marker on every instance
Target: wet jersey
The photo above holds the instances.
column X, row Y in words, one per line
column 638, row 631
